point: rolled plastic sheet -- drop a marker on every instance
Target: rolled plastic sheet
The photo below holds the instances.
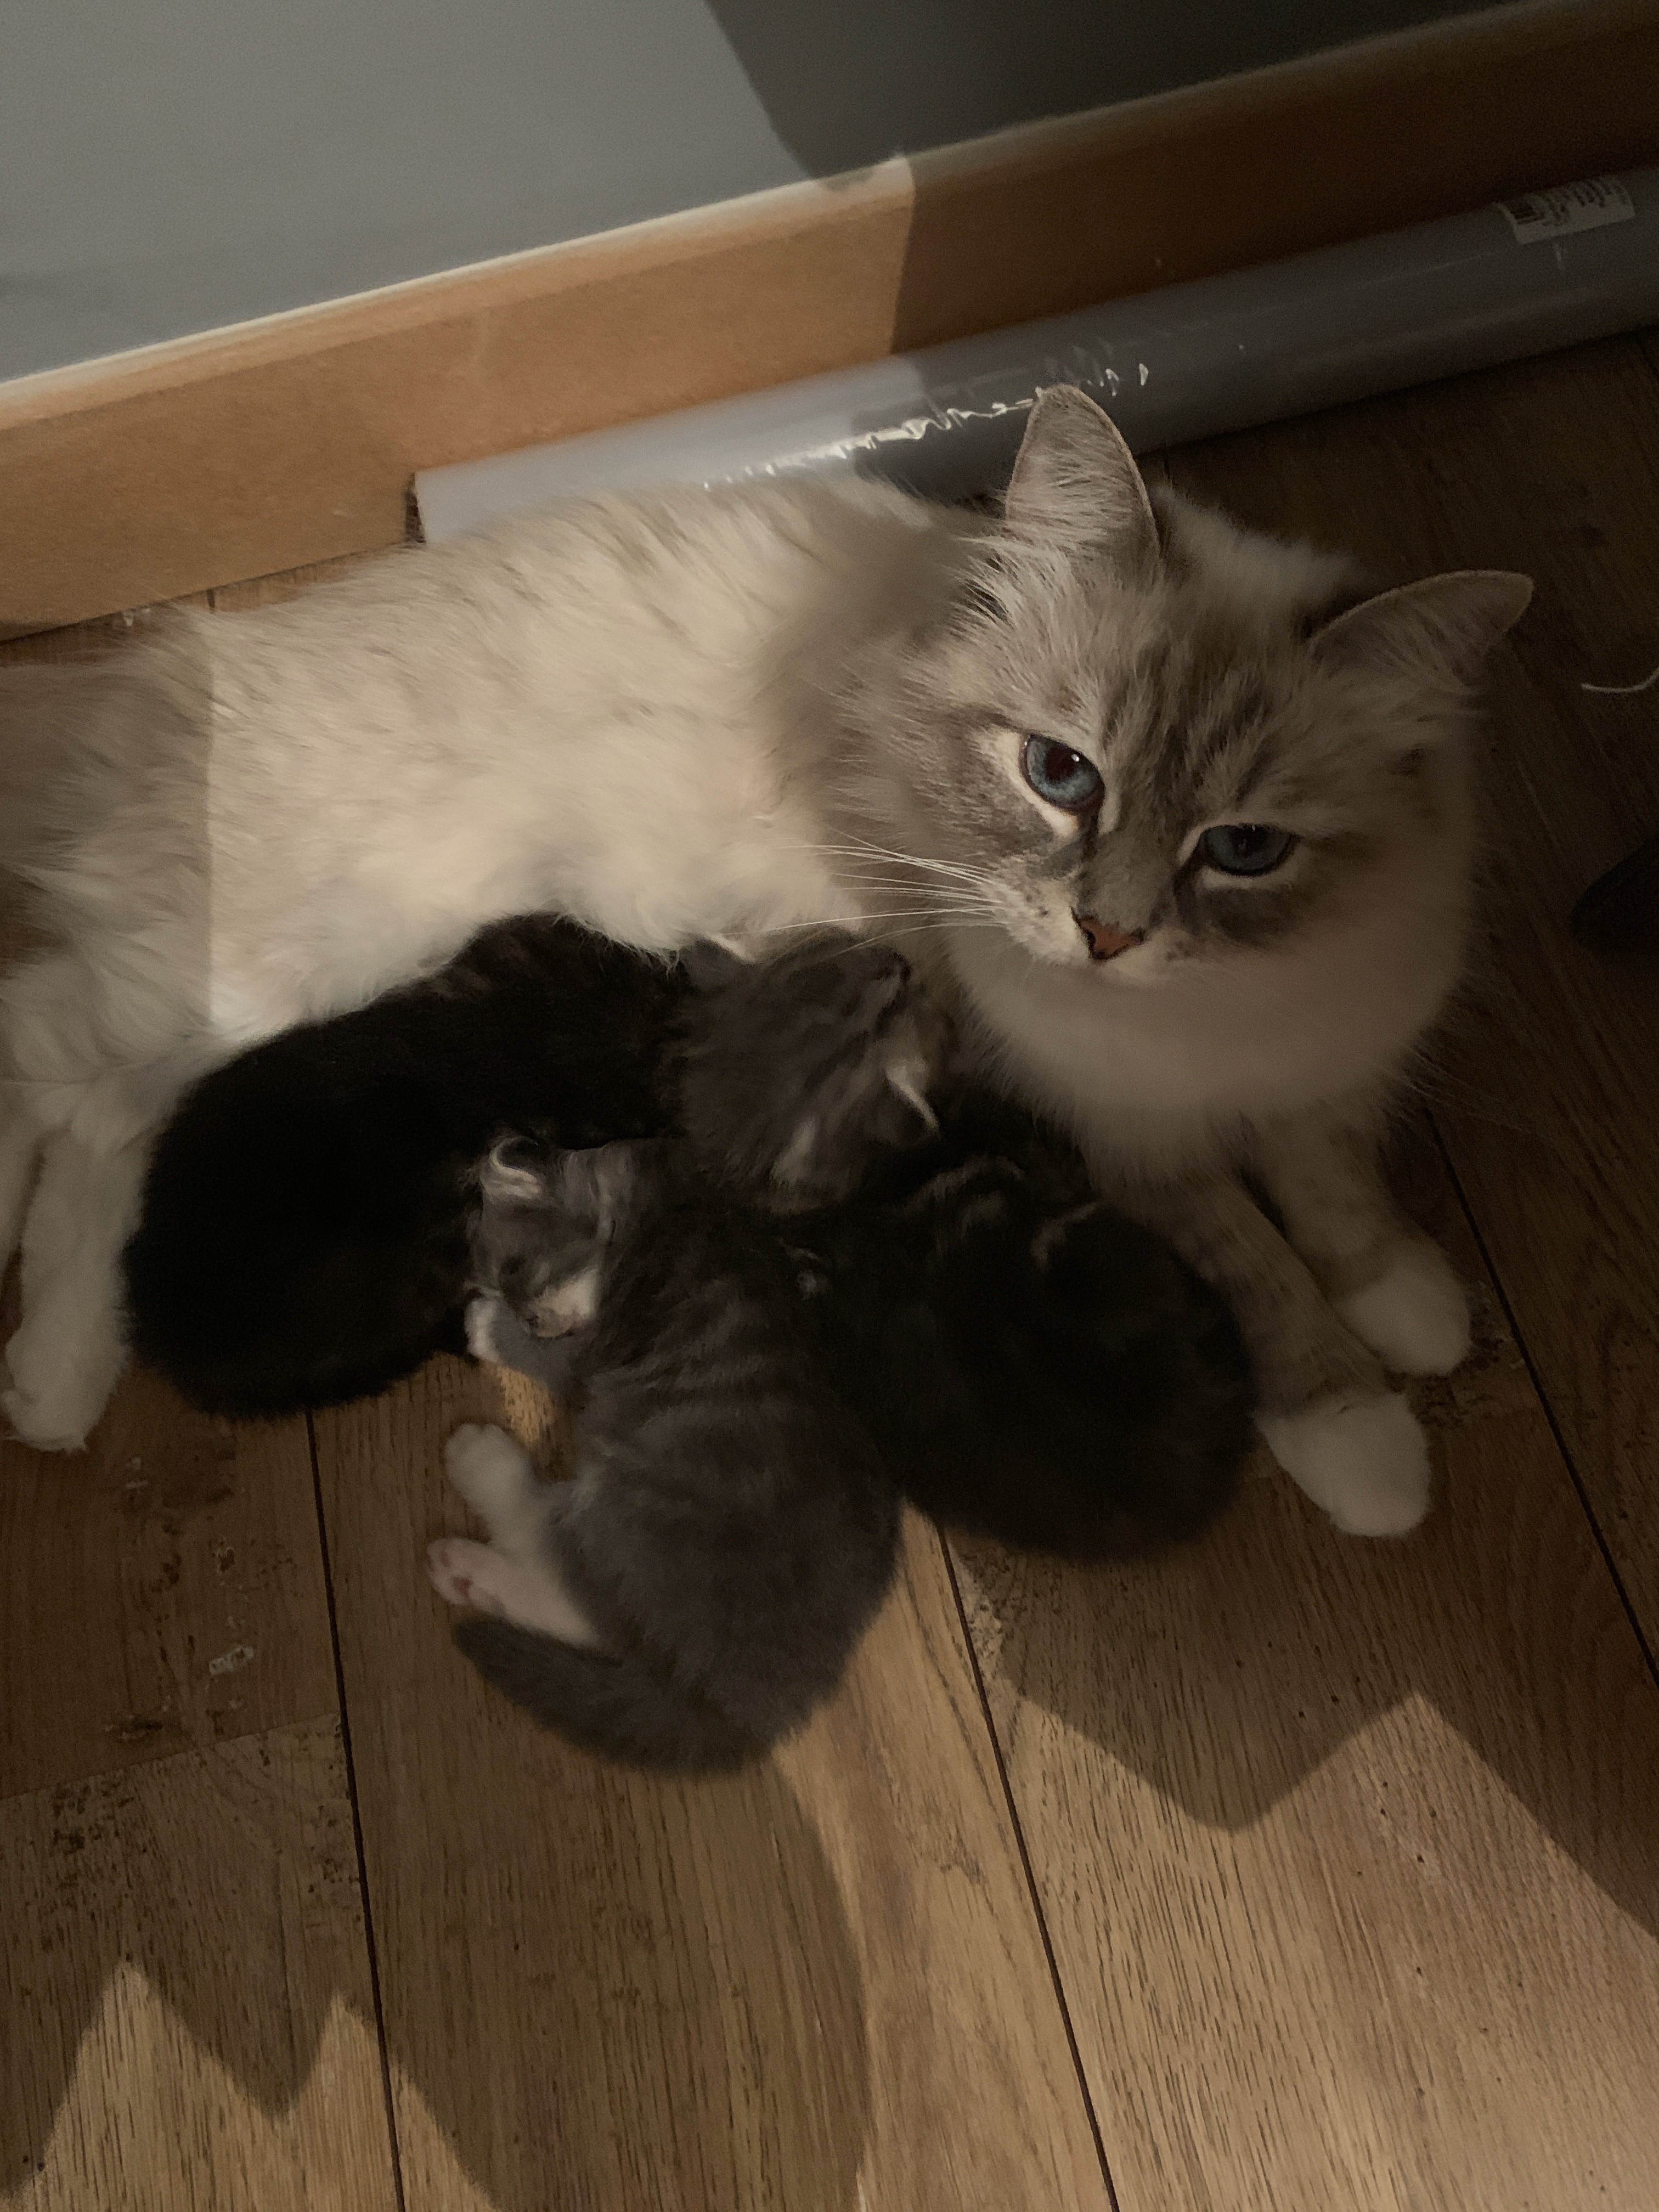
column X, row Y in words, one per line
column 1552, row 269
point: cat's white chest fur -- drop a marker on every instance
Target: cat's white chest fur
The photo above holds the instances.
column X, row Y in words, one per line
column 1161, row 1075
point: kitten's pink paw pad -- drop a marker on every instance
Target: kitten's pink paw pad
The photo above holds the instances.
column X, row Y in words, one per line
column 1415, row 1316
column 451, row 1565
column 1366, row 1464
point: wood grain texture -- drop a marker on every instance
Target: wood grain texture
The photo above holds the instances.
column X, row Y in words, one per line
column 163, row 1588
column 185, row 2017
column 1550, row 1074
column 1350, row 1851
column 295, row 439
column 812, row 1987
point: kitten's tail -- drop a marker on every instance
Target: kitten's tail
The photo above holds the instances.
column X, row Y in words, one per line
column 616, row 1707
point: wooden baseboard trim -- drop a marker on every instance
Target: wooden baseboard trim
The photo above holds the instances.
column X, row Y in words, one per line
column 293, row 440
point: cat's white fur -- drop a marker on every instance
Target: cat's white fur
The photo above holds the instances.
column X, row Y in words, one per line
column 1415, row 1315
column 641, row 713
column 1366, row 1464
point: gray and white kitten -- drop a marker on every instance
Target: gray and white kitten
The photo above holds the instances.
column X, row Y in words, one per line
column 698, row 1587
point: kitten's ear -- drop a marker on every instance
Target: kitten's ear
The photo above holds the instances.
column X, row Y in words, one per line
column 1438, row 632
column 1075, row 483
column 591, row 1182
column 712, row 962
column 513, row 1173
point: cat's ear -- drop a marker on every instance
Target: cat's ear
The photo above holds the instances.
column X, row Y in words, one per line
column 1436, row 633
column 1075, row 484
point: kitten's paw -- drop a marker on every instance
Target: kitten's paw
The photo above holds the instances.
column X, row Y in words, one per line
column 491, row 1470
column 1416, row 1316
column 461, row 1572
column 1366, row 1464
column 480, row 1323
column 465, row 1573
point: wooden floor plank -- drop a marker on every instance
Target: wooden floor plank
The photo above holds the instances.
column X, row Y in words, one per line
column 1551, row 1073
column 811, row 1987
column 187, row 2022
column 164, row 1588
column 1350, row 1851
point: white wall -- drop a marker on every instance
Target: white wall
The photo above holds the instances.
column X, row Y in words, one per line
column 171, row 165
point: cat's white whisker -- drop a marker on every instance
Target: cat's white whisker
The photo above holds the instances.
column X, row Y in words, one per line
column 896, row 914
column 865, row 850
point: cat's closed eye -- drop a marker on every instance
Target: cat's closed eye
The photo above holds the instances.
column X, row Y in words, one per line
column 1062, row 776
column 1245, row 848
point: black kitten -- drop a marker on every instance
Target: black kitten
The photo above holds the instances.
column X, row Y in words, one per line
column 698, row 1587
column 304, row 1233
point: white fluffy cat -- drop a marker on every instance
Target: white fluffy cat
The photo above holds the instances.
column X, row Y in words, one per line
column 1192, row 851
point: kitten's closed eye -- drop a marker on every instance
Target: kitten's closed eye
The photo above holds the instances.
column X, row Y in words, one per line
column 1246, row 848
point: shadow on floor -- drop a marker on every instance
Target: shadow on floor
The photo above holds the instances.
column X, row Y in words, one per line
column 1227, row 1674
column 694, row 2048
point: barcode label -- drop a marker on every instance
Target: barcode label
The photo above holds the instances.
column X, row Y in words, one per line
column 1585, row 206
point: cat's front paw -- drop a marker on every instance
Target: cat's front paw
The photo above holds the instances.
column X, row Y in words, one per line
column 1366, row 1464
column 59, row 1386
column 40, row 1426
column 1415, row 1315
column 489, row 1468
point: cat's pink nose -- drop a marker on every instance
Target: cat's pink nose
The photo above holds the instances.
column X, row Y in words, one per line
column 1104, row 942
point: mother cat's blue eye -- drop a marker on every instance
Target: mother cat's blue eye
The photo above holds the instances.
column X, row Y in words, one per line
column 1245, row 848
column 1064, row 778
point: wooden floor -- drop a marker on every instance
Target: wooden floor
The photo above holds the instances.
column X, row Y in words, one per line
column 1297, row 1874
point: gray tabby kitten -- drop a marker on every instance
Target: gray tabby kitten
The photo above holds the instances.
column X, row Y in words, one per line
column 699, row 1586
